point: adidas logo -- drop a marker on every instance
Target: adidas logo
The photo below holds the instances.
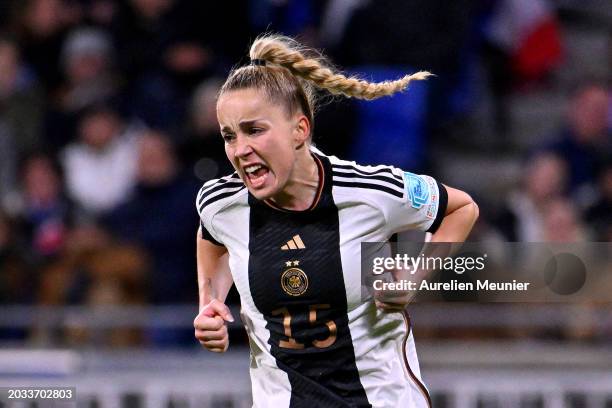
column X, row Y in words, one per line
column 294, row 243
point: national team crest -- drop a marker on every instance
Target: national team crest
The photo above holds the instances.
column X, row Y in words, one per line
column 418, row 189
column 294, row 281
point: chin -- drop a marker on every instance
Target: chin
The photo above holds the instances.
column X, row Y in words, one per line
column 259, row 194
column 262, row 193
column 265, row 192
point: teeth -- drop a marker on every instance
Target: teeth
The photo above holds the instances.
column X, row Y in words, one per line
column 253, row 168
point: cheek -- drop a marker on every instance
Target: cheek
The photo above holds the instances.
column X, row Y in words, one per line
column 284, row 143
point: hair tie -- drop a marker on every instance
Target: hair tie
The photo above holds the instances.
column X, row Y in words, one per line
column 259, row 62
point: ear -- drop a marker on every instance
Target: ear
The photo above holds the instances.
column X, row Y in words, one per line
column 301, row 131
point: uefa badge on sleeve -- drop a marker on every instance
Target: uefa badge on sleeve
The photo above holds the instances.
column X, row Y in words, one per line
column 418, row 189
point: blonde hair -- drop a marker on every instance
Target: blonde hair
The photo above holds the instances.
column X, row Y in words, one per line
column 290, row 73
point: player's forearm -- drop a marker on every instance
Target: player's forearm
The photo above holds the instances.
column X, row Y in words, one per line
column 214, row 286
column 456, row 225
column 214, row 276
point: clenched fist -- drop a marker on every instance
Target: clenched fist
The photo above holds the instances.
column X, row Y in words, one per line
column 210, row 327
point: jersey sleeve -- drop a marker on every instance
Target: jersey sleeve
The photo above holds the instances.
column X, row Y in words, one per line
column 422, row 206
column 207, row 230
column 205, row 234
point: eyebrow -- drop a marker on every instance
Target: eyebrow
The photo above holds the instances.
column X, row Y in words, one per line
column 243, row 124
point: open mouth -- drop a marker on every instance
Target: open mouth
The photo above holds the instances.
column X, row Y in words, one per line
column 256, row 174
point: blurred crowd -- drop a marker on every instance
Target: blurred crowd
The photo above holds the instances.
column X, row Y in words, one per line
column 565, row 194
column 108, row 127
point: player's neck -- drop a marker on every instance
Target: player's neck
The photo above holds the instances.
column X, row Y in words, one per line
column 301, row 189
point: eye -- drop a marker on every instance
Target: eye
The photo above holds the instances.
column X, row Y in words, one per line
column 255, row 130
column 228, row 137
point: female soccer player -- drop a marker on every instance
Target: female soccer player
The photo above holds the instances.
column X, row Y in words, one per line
column 286, row 229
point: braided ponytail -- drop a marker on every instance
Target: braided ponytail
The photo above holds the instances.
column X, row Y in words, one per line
column 286, row 52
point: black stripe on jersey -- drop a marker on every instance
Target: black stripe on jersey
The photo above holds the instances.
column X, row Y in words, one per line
column 441, row 208
column 215, row 182
column 360, row 184
column 232, row 177
column 216, row 187
column 320, row 374
column 384, row 170
column 218, row 197
column 355, row 175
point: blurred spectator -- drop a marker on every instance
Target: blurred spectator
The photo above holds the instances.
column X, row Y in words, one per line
column 203, row 153
column 562, row 223
column 21, row 100
column 161, row 217
column 100, row 168
column 87, row 65
column 586, row 141
column 599, row 215
column 40, row 26
column 46, row 213
column 543, row 182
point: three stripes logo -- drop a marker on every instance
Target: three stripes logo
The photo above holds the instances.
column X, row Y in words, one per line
column 294, row 243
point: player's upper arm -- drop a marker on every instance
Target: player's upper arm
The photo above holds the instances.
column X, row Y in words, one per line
column 456, row 199
column 209, row 256
column 208, row 245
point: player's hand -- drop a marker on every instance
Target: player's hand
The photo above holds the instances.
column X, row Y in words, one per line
column 210, row 326
column 393, row 303
column 398, row 300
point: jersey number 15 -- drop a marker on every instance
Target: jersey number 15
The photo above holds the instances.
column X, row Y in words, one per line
column 292, row 343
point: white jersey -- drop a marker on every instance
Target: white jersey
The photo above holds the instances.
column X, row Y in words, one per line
column 314, row 341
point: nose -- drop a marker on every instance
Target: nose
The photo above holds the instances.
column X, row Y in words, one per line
column 243, row 147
